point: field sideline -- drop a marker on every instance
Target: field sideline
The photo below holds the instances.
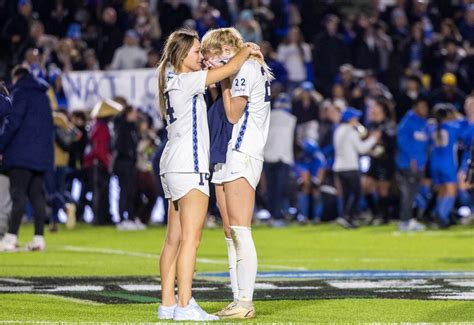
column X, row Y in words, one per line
column 105, row 252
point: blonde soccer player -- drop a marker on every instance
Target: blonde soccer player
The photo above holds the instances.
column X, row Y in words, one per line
column 246, row 97
column 184, row 165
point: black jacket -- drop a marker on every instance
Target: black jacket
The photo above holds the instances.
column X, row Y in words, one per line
column 125, row 141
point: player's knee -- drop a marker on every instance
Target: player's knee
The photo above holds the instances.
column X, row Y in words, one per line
column 191, row 242
column 173, row 239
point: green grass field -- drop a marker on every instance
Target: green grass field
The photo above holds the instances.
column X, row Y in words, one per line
column 106, row 252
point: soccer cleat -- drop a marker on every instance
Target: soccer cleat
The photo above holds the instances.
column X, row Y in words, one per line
column 345, row 223
column 192, row 312
column 37, row 244
column 236, row 311
column 223, row 310
column 279, row 223
column 139, row 224
column 467, row 220
column 126, row 225
column 411, row 225
column 8, row 243
column 166, row 312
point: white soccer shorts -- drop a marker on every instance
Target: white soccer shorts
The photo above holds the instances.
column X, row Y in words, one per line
column 239, row 165
column 177, row 185
column 219, row 173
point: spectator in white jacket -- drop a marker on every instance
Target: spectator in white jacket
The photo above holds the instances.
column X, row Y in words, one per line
column 279, row 156
column 348, row 145
column 130, row 55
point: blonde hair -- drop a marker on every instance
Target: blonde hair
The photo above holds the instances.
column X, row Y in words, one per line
column 214, row 41
column 176, row 48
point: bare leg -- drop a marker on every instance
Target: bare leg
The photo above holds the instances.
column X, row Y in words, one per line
column 169, row 255
column 220, row 196
column 193, row 210
column 240, row 199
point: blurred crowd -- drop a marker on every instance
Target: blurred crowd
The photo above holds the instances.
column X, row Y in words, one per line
column 370, row 67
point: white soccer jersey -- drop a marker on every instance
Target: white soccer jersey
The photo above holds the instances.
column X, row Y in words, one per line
column 187, row 150
column 249, row 135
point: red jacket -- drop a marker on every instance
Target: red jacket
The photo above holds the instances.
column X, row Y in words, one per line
column 99, row 147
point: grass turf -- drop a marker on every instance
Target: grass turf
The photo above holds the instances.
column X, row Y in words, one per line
column 57, row 309
column 89, row 251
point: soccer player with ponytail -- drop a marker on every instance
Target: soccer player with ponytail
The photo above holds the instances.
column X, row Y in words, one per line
column 184, row 165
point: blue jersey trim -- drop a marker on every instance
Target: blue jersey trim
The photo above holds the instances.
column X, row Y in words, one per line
column 195, row 136
column 243, row 128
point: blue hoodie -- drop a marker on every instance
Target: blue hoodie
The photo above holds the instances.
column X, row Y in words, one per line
column 412, row 141
column 220, row 131
column 28, row 137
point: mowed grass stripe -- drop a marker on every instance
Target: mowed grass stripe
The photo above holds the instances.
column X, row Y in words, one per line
column 323, row 247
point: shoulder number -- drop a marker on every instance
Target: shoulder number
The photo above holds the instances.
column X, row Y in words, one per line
column 267, row 87
column 170, row 110
column 241, row 84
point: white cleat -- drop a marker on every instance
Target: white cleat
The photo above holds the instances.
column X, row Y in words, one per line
column 37, row 244
column 8, row 243
column 166, row 312
column 411, row 225
column 192, row 312
column 126, row 225
column 139, row 224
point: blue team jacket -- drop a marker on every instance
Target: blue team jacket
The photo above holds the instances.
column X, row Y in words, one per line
column 220, row 131
column 444, row 155
column 412, row 141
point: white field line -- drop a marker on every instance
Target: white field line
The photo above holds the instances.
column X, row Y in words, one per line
column 45, row 322
column 152, row 323
column 69, row 299
column 156, row 256
column 222, row 262
column 433, row 233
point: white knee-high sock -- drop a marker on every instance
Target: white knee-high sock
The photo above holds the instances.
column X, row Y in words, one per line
column 246, row 261
column 232, row 257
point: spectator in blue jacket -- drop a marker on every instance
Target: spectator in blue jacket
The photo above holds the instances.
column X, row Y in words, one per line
column 5, row 201
column 412, row 154
column 27, row 148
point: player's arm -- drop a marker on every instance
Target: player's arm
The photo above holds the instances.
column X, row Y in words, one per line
column 233, row 66
column 234, row 106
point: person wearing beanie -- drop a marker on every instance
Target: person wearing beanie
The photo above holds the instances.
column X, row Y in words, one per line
column 348, row 146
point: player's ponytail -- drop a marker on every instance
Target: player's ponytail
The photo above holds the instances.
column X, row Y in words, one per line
column 176, row 48
column 440, row 114
column 214, row 40
column 161, row 84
